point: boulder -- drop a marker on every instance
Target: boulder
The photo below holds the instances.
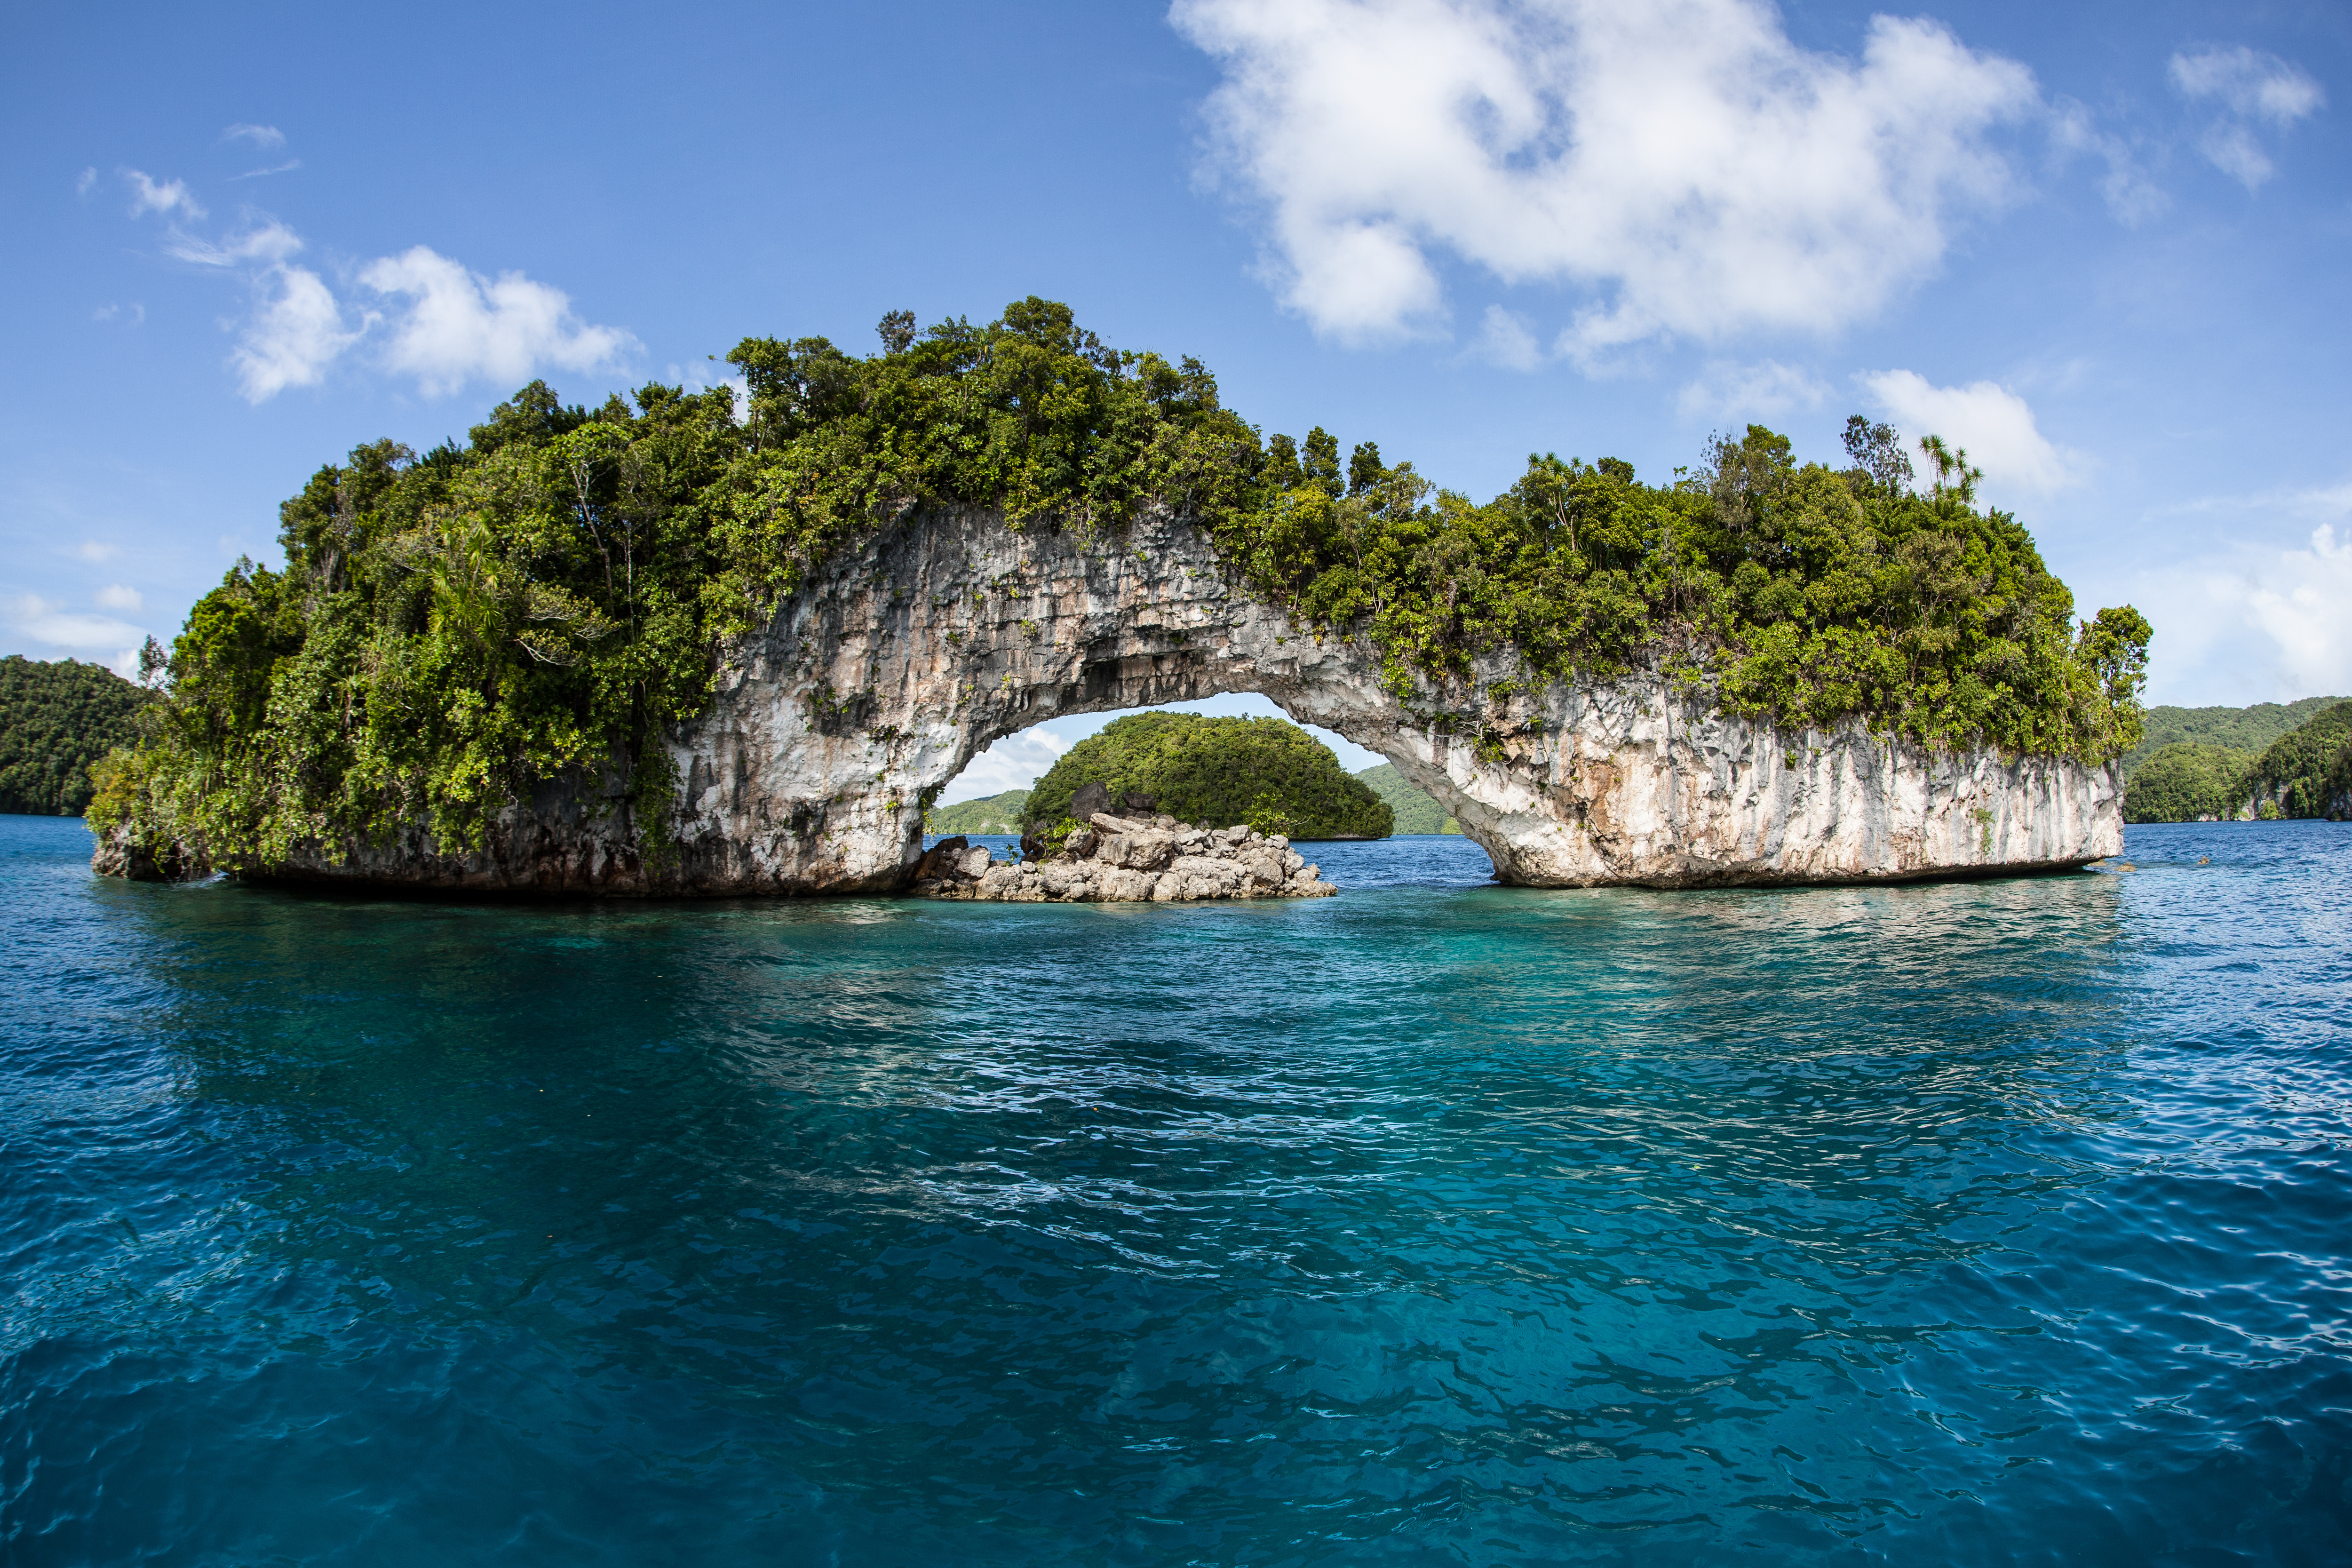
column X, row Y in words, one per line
column 1128, row 860
column 1089, row 799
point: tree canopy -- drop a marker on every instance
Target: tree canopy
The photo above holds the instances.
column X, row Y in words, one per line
column 1267, row 772
column 2308, row 771
column 2190, row 782
column 2247, row 729
column 450, row 628
column 55, row 719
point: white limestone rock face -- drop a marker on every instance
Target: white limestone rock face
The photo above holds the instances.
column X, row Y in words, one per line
column 899, row 661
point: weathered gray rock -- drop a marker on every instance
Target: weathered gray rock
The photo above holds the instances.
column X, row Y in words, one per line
column 897, row 662
column 1125, row 859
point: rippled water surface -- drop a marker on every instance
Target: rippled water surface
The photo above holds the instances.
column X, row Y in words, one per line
column 1437, row 1221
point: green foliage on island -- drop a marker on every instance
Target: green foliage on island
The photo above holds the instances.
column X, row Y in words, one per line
column 1266, row 772
column 55, row 719
column 997, row 813
column 2190, row 782
column 2247, row 729
column 2308, row 771
column 1415, row 811
column 2304, row 773
column 450, row 629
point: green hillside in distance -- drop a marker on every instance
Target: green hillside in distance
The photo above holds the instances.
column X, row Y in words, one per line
column 1416, row 810
column 54, row 720
column 1267, row 772
column 2246, row 729
column 997, row 813
column 2307, row 772
column 2189, row 781
column 2304, row 772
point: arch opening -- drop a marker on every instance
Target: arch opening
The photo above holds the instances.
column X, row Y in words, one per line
column 990, row 798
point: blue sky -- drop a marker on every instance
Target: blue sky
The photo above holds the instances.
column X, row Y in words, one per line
column 2103, row 246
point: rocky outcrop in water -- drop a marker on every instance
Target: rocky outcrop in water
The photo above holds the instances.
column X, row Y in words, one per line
column 1122, row 859
column 898, row 661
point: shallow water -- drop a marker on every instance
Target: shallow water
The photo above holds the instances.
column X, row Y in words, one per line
column 2001, row 1222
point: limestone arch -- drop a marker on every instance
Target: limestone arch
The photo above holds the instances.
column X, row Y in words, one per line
column 896, row 663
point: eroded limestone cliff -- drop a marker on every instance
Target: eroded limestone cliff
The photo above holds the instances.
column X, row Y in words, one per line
column 898, row 663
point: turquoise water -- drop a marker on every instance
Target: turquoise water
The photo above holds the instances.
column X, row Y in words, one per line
column 1437, row 1221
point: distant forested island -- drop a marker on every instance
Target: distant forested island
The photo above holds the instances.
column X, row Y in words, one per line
column 1416, row 811
column 1411, row 810
column 2270, row 761
column 996, row 814
column 1267, row 772
column 55, row 719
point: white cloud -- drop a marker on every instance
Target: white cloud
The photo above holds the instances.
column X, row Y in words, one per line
column 1729, row 391
column 133, row 314
column 440, row 322
column 95, row 553
column 2251, row 86
column 1995, row 425
column 87, row 183
column 1503, row 340
column 291, row 163
column 46, row 620
column 1015, row 762
column 294, row 333
column 461, row 325
column 268, row 138
column 115, row 597
column 160, row 196
column 1684, row 160
column 2252, row 83
column 2257, row 622
column 269, row 241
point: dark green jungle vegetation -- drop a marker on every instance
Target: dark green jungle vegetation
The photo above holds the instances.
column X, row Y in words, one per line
column 447, row 628
column 1416, row 810
column 1267, row 772
column 1003, row 812
column 55, row 719
column 2247, row 729
column 2304, row 773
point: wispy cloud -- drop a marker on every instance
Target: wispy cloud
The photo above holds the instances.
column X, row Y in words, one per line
column 1996, row 425
column 267, row 138
column 161, row 195
column 1505, row 339
column 133, row 314
column 267, row 240
column 116, row 596
column 49, row 621
column 2132, row 196
column 291, row 163
column 1685, row 162
column 2249, row 87
column 423, row 314
column 1728, row 391
column 96, row 553
column 85, row 183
